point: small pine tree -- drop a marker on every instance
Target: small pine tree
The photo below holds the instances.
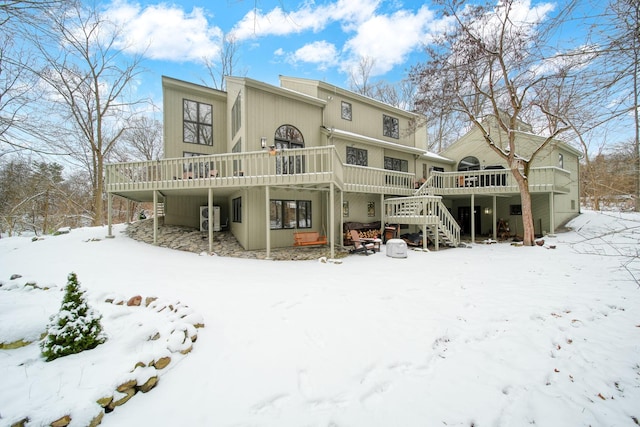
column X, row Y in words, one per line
column 75, row 328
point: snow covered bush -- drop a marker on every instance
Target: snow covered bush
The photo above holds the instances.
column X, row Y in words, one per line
column 75, row 328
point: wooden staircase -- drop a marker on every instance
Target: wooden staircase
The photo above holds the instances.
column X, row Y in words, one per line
column 429, row 213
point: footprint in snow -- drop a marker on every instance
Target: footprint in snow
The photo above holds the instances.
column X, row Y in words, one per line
column 273, row 403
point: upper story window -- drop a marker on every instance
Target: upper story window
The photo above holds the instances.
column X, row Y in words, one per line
column 560, row 161
column 396, row 164
column 288, row 136
column 346, row 110
column 469, row 163
column 236, row 117
column 390, row 126
column 357, row 156
column 197, row 120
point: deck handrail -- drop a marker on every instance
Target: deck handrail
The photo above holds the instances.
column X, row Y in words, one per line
column 226, row 169
column 378, row 180
column 423, row 210
column 542, row 178
column 311, row 166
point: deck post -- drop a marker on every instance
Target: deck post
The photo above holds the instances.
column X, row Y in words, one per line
column 210, row 218
column 341, row 219
column 424, row 236
column 332, row 220
column 381, row 215
column 495, row 222
column 473, row 218
column 109, row 216
column 267, row 210
column 155, row 217
column 552, row 215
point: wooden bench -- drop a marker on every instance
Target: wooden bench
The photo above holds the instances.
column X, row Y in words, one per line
column 308, row 238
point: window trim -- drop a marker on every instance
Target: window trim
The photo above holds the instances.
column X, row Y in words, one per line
column 394, row 130
column 236, row 115
column 236, row 209
column 280, row 212
column 199, row 125
column 394, row 162
column 358, row 156
column 346, row 110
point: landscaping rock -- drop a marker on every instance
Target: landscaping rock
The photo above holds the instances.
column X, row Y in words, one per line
column 135, row 301
column 151, row 383
column 62, row 422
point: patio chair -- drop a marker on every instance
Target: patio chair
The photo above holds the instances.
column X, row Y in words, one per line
column 359, row 245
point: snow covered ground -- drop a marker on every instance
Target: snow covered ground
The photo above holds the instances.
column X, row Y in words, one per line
column 492, row 335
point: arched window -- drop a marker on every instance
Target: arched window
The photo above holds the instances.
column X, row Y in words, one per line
column 469, row 163
column 288, row 137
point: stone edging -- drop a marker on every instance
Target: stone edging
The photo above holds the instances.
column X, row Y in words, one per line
column 144, row 375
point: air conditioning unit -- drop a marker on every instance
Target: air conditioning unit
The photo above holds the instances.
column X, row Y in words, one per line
column 204, row 218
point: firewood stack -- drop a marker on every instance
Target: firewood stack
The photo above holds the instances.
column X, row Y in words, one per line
column 364, row 234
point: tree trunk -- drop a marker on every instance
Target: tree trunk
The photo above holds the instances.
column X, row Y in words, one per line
column 525, row 201
column 98, row 205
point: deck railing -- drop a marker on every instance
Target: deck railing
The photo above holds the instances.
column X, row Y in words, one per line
column 423, row 210
column 541, row 179
column 314, row 166
column 374, row 180
column 300, row 166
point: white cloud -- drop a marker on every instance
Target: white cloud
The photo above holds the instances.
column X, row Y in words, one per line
column 388, row 39
column 319, row 52
column 307, row 18
column 165, row 32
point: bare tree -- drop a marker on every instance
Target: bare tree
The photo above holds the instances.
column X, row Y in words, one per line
column 488, row 67
column 226, row 64
column 360, row 75
column 142, row 140
column 88, row 80
column 621, row 55
column 16, row 84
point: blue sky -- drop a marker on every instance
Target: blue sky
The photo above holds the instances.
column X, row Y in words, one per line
column 321, row 39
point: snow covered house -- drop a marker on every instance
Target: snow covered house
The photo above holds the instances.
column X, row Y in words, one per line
column 269, row 162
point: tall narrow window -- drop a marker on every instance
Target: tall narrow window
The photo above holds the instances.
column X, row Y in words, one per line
column 560, row 161
column 237, row 209
column 197, row 119
column 236, row 117
column 237, row 164
column 287, row 137
column 390, row 126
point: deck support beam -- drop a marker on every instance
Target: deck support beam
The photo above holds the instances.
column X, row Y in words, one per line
column 381, row 215
column 495, row 219
column 332, row 220
column 552, row 218
column 473, row 218
column 341, row 219
column 110, row 216
column 267, row 210
column 155, row 217
column 210, row 218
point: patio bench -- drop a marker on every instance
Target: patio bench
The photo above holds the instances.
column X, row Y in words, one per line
column 308, row 238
